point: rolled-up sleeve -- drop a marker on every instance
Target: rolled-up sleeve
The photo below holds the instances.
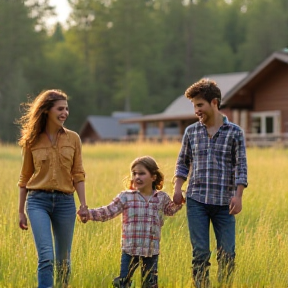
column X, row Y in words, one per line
column 241, row 161
column 27, row 168
column 184, row 160
column 78, row 172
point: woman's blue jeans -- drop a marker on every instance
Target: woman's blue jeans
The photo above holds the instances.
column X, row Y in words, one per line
column 199, row 217
column 49, row 212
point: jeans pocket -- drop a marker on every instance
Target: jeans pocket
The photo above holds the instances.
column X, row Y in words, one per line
column 31, row 193
column 68, row 196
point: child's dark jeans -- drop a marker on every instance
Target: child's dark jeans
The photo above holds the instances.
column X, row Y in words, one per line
column 149, row 266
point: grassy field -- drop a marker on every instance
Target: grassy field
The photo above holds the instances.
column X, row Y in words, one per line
column 262, row 227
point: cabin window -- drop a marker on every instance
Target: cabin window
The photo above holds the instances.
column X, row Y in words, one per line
column 266, row 122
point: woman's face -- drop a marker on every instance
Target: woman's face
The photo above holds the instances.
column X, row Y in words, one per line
column 58, row 114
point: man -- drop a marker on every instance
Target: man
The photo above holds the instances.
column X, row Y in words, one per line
column 213, row 152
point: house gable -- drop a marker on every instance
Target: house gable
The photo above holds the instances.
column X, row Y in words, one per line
column 242, row 96
column 259, row 103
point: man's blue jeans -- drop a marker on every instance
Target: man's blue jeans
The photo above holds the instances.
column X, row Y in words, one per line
column 149, row 267
column 48, row 210
column 199, row 216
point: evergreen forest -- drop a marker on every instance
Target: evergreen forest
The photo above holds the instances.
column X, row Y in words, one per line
column 128, row 55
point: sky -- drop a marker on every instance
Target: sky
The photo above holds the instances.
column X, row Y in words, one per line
column 62, row 9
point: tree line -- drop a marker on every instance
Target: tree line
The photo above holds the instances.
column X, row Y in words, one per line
column 123, row 55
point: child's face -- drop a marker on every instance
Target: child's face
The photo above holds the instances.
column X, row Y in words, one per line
column 142, row 179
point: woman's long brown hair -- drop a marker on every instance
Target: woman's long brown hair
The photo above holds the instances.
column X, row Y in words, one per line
column 33, row 121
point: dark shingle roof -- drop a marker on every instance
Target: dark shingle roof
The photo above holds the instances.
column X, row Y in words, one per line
column 108, row 127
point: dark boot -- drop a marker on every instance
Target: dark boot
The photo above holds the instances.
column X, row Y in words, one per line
column 121, row 283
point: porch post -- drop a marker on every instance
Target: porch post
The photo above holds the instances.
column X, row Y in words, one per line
column 161, row 127
column 142, row 132
column 182, row 127
column 244, row 120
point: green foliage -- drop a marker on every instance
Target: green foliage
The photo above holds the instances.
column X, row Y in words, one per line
column 266, row 32
column 57, row 35
column 116, row 55
column 20, row 52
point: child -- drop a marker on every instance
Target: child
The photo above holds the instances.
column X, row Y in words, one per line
column 143, row 208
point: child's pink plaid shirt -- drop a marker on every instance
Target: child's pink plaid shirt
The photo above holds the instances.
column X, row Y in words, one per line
column 141, row 220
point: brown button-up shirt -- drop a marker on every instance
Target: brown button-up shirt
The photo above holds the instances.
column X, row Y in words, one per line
column 53, row 167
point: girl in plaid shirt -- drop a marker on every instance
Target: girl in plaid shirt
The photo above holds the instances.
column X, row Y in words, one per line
column 143, row 208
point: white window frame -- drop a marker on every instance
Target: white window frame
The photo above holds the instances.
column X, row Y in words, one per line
column 263, row 115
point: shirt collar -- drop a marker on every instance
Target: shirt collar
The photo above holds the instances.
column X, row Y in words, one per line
column 63, row 130
column 225, row 120
column 154, row 192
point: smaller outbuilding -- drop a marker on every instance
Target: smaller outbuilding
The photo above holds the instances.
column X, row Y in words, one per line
column 108, row 128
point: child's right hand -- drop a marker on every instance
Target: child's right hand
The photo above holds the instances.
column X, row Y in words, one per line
column 83, row 213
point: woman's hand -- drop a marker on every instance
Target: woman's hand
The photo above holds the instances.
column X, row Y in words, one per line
column 83, row 213
column 23, row 221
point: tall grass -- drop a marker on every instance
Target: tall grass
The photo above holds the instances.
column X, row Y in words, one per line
column 262, row 226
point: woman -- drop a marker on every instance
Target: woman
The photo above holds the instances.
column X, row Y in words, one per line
column 51, row 171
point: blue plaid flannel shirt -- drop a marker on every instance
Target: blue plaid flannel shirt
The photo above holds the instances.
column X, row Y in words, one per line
column 216, row 165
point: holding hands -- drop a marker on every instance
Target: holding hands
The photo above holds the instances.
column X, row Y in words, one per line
column 83, row 213
column 178, row 197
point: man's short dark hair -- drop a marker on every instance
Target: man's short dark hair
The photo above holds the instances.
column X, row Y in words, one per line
column 206, row 89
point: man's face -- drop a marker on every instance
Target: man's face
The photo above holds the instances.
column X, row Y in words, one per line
column 203, row 109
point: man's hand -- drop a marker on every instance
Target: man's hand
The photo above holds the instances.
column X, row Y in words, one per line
column 235, row 206
column 23, row 221
column 178, row 197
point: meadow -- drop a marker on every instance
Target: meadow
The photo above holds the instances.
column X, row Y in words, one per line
column 262, row 226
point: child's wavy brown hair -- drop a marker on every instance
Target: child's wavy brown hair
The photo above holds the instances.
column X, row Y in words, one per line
column 151, row 165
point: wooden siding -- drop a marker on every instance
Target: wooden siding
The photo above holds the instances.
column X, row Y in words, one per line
column 88, row 134
column 272, row 95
